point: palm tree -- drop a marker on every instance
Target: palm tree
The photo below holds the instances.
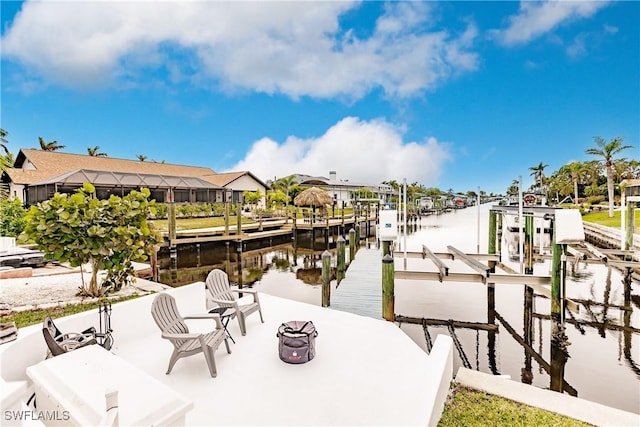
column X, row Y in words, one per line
column 49, row 146
column 607, row 150
column 95, row 152
column 537, row 172
column 3, row 141
column 575, row 172
column 286, row 185
column 141, row 157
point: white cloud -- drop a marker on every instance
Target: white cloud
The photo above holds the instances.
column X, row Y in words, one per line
column 295, row 48
column 534, row 19
column 360, row 151
column 578, row 47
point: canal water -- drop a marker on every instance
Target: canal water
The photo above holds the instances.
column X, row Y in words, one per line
column 602, row 358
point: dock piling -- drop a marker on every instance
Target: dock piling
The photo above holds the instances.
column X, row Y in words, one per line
column 388, row 288
column 326, row 279
column 352, row 244
column 340, row 251
column 492, row 239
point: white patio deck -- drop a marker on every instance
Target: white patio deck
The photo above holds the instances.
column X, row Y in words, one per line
column 366, row 371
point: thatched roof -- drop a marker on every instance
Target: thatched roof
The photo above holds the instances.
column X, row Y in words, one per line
column 313, row 197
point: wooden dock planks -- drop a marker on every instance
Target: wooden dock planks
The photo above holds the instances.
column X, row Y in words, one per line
column 360, row 292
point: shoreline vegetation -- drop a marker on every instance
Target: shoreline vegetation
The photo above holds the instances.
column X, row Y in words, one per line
column 469, row 407
column 601, row 218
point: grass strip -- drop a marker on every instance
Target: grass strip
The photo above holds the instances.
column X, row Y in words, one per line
column 32, row 317
column 469, row 407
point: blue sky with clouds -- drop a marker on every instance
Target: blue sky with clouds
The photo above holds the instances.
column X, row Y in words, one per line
column 456, row 95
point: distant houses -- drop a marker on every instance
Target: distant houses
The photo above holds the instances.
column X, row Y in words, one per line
column 345, row 192
column 36, row 175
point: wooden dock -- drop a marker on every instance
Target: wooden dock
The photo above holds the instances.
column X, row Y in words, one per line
column 360, row 292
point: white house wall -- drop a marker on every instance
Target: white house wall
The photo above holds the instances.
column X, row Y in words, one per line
column 247, row 183
column 16, row 191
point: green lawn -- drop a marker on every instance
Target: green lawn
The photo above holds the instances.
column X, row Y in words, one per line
column 193, row 223
column 468, row 407
column 602, row 218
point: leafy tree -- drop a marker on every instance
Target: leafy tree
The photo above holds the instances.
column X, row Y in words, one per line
column 6, row 162
column 3, row 141
column 394, row 184
column 49, row 146
column 107, row 234
column 141, row 157
column 252, row 198
column 514, row 188
column 12, row 217
column 95, row 152
column 288, row 186
column 277, row 197
column 576, row 172
column 607, row 150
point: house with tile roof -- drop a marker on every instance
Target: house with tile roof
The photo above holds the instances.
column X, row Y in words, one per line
column 36, row 175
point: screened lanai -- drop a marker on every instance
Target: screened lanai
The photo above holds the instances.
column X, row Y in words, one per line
column 182, row 188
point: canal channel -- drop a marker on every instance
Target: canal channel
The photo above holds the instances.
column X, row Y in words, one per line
column 602, row 360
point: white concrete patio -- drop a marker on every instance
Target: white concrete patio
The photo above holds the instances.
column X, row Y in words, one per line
column 366, row 371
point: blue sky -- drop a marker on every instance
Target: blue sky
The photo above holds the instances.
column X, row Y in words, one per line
column 455, row 95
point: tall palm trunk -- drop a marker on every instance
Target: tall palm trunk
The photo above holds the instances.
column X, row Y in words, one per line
column 610, row 188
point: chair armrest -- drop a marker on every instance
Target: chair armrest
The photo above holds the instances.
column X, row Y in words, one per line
column 253, row 292
column 180, row 336
column 213, row 316
column 244, row 290
column 224, row 302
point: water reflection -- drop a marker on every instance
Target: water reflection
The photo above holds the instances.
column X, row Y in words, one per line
column 501, row 329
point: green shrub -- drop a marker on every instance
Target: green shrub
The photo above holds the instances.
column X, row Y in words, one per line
column 12, row 217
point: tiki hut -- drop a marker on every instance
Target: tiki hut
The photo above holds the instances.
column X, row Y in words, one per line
column 313, row 197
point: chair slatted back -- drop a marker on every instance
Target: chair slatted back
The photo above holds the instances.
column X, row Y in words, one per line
column 165, row 313
column 51, row 327
column 218, row 287
column 50, row 333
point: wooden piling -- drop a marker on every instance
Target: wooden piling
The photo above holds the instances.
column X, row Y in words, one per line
column 629, row 225
column 528, row 244
column 239, row 220
column 226, row 218
column 352, row 245
column 326, row 279
column 388, row 288
column 340, row 251
column 556, row 281
column 499, row 235
column 492, row 239
column 527, row 372
column 173, row 249
column 386, row 247
column 171, row 216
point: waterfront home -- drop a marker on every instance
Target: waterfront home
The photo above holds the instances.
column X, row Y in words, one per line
column 36, row 175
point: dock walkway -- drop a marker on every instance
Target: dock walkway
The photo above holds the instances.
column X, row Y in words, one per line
column 360, row 292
